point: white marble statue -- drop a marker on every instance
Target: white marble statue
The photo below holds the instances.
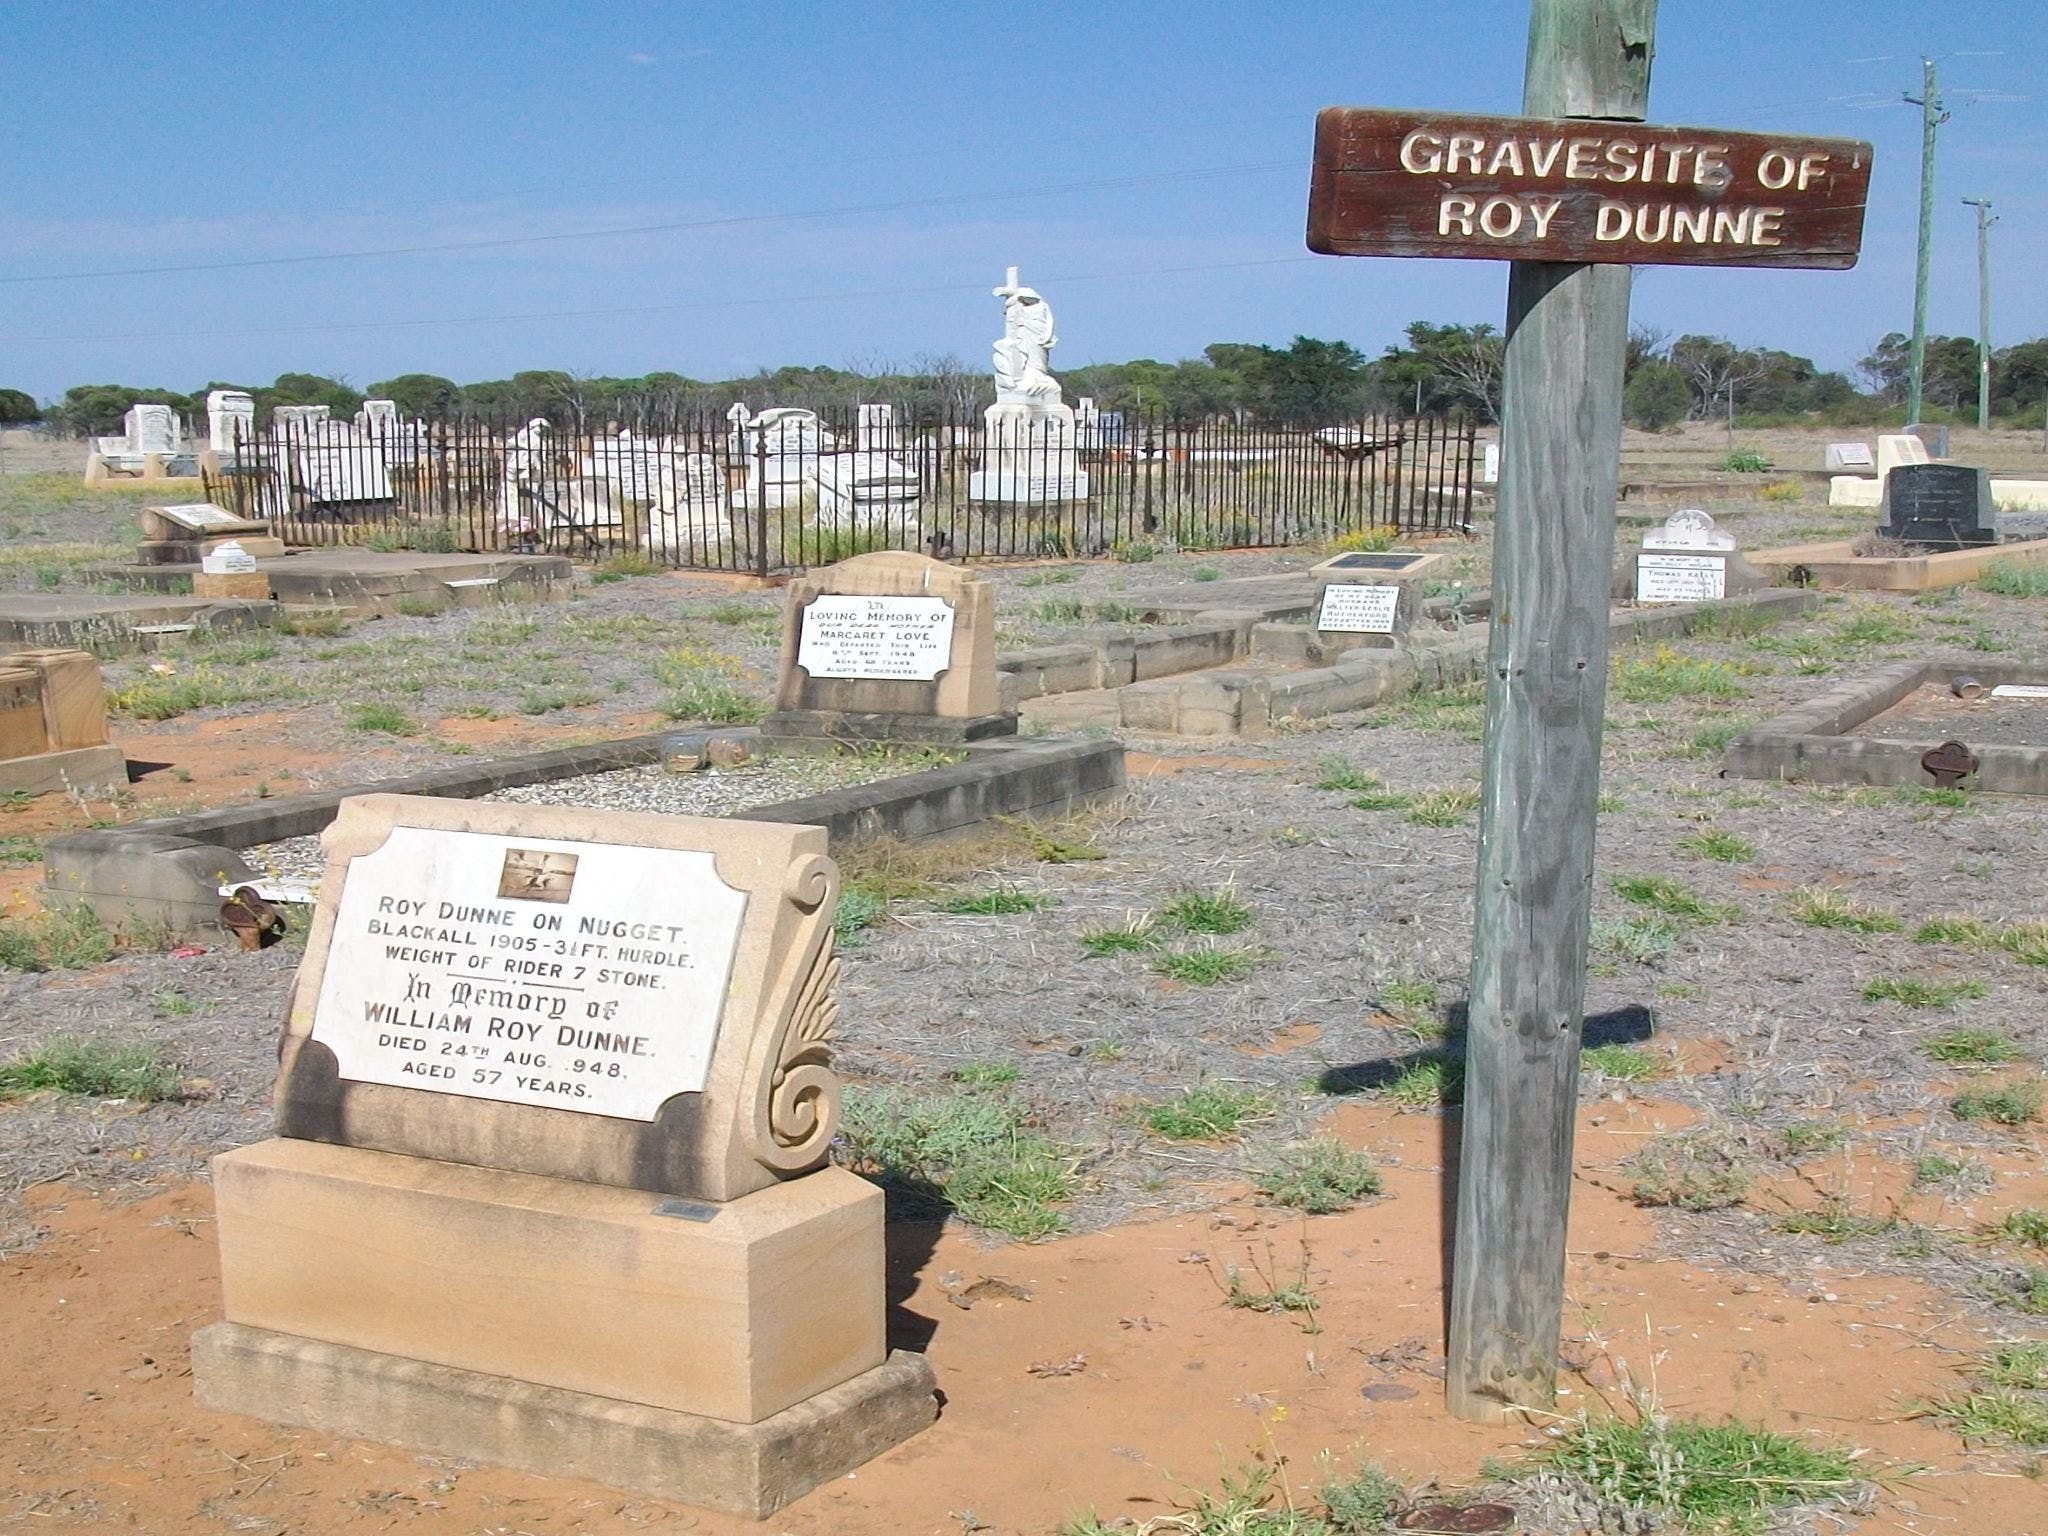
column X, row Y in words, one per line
column 1032, row 454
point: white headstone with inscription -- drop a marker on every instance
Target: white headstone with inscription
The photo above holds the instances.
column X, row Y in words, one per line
column 579, row 976
column 905, row 638
column 1358, row 608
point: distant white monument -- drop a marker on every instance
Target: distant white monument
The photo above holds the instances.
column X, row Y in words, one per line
column 230, row 416
column 1032, row 454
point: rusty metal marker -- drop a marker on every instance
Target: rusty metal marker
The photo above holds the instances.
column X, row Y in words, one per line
column 1568, row 189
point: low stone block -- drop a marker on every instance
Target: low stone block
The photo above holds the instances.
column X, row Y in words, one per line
column 742, row 1469
column 1153, row 706
column 1184, row 648
column 143, row 880
column 94, row 772
column 733, row 1310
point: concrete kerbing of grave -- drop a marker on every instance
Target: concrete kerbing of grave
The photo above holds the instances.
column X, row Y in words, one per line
column 516, row 1029
column 1685, row 560
column 539, row 938
column 1834, row 566
column 53, row 726
column 891, row 646
column 1809, row 743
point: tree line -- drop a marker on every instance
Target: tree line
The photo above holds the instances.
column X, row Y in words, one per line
column 1434, row 370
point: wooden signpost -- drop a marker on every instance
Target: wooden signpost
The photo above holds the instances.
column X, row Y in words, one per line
column 1551, row 192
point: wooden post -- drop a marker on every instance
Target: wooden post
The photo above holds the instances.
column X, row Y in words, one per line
column 1567, row 331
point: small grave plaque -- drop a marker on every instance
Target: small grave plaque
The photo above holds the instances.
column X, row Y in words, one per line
column 199, row 516
column 876, row 637
column 578, row 976
column 2020, row 691
column 1672, row 578
column 1849, row 456
column 1356, row 608
column 1362, row 560
column 1944, row 506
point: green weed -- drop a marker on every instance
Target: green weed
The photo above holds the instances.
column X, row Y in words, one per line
column 2014, row 1103
column 2023, row 1365
column 1211, row 912
column 977, row 1154
column 1725, row 1477
column 1442, row 807
column 1641, row 940
column 1207, row 1112
column 986, row 1074
column 1995, row 1416
column 1665, row 675
column 1819, row 906
column 384, row 719
column 1622, row 1063
column 1914, row 993
column 1972, row 1047
column 2028, row 1226
column 61, row 939
column 1001, row 902
column 1135, row 936
column 1433, row 1083
column 1671, row 899
column 1337, row 774
column 1689, row 1173
column 1834, row 1223
column 2015, row 578
column 1319, row 1176
column 1722, row 847
column 94, row 1068
column 1206, row 965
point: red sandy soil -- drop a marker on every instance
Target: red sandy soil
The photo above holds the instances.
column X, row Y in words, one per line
column 99, row 1427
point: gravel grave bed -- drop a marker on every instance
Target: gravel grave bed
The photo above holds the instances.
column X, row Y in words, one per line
column 653, row 788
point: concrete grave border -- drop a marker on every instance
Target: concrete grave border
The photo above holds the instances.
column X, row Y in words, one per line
column 1811, row 743
column 169, row 871
column 1834, row 566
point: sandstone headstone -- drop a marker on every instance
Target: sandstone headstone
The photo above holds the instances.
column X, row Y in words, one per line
column 1897, row 448
column 553, row 1102
column 619, row 998
column 890, row 645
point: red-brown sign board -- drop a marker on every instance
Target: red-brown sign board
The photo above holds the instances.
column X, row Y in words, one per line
column 1579, row 190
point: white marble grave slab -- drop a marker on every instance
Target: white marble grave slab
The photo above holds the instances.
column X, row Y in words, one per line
column 876, row 637
column 1358, row 608
column 200, row 516
column 1670, row 578
column 571, row 975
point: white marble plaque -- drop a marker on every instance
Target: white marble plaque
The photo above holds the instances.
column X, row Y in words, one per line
column 1681, row 578
column 1849, row 456
column 1355, row 608
column 876, row 637
column 2020, row 691
column 199, row 515
column 571, row 975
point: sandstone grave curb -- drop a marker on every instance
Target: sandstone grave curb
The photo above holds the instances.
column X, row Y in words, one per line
column 167, row 872
column 1811, row 744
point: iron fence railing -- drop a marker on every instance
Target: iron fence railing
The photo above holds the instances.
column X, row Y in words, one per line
column 792, row 489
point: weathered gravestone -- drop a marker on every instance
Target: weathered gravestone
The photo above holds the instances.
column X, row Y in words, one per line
column 1686, row 559
column 890, row 646
column 1941, row 506
column 1366, row 598
column 53, row 726
column 550, row 1187
column 1849, row 456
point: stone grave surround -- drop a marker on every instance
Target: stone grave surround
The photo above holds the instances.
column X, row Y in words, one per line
column 891, row 645
column 554, row 1103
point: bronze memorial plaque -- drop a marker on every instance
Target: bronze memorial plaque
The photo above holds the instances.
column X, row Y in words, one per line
column 1581, row 190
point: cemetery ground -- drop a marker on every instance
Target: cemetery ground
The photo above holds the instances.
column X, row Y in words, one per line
column 1183, row 1071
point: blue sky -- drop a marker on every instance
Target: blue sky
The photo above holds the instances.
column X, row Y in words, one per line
column 1144, row 164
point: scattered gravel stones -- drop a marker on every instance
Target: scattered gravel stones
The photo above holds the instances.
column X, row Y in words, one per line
column 705, row 792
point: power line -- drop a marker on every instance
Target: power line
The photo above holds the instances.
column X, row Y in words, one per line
column 650, row 309
column 1101, row 183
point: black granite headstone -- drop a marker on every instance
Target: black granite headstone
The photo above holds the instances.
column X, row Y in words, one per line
column 1360, row 560
column 1943, row 506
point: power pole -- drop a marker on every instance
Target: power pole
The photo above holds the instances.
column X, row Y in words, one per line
column 1984, row 223
column 1931, row 118
column 1546, row 691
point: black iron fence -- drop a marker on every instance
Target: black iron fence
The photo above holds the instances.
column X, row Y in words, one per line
column 790, row 489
